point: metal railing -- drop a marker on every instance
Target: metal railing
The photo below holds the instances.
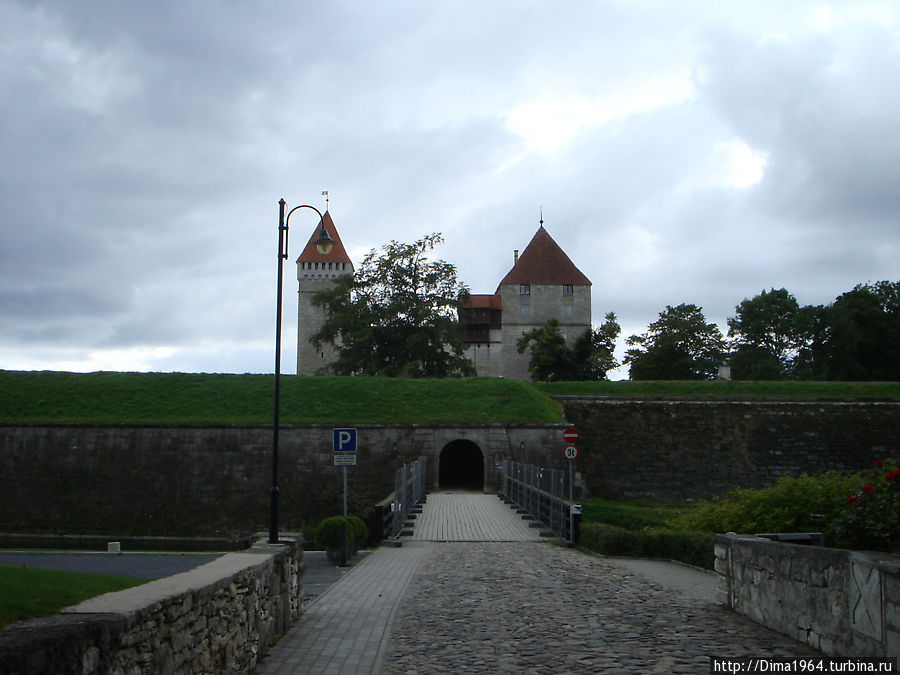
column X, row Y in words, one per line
column 409, row 491
column 543, row 494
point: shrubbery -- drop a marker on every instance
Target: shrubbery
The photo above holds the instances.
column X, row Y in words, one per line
column 785, row 507
column 330, row 532
column 871, row 517
column 858, row 511
column 694, row 548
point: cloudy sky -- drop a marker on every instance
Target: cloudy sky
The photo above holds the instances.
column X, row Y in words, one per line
column 682, row 152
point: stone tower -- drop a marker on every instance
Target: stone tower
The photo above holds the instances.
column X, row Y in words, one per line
column 542, row 284
column 316, row 272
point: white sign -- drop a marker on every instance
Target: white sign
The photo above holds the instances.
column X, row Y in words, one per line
column 345, row 459
column 571, row 452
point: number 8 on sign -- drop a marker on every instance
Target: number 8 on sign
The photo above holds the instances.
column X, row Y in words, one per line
column 571, row 452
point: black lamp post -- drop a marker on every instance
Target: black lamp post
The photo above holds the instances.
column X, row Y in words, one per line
column 324, row 244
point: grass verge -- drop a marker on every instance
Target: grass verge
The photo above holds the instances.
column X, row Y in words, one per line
column 27, row 593
column 189, row 398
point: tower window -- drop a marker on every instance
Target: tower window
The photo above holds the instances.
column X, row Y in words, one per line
column 524, row 289
column 568, row 289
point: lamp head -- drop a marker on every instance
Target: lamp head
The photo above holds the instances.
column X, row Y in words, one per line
column 324, row 243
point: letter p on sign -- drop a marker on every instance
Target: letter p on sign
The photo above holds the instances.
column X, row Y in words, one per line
column 344, row 440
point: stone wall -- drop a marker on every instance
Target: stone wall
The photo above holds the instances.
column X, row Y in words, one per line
column 843, row 603
column 215, row 481
column 700, row 448
column 220, row 617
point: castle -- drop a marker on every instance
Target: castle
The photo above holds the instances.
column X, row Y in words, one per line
column 543, row 284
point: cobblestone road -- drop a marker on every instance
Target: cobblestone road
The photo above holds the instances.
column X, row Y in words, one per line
column 538, row 608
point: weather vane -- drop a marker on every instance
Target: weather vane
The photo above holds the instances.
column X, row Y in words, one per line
column 542, row 215
column 325, row 194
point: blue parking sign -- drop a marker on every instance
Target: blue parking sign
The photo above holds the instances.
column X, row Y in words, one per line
column 344, row 440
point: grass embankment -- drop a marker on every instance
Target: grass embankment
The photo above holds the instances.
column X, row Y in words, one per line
column 182, row 398
column 786, row 390
column 27, row 593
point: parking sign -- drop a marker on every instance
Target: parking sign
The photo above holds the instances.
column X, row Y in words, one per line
column 344, row 440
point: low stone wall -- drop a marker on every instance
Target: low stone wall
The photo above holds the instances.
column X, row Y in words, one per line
column 219, row 617
column 843, row 603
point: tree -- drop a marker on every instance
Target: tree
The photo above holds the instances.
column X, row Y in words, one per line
column 680, row 345
column 857, row 337
column 397, row 315
column 766, row 334
column 589, row 358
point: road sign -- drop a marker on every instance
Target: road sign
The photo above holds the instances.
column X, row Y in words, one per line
column 344, row 440
column 571, row 452
column 570, row 435
column 345, row 459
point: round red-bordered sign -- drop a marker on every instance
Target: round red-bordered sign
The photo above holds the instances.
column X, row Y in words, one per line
column 571, row 452
column 570, row 435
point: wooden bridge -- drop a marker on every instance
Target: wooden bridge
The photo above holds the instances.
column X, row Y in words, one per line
column 469, row 516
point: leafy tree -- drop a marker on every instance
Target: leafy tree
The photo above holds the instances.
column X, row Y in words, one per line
column 589, row 358
column 680, row 345
column 593, row 350
column 857, row 337
column 397, row 316
column 766, row 334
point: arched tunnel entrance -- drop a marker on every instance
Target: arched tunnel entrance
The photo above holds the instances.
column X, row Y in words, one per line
column 461, row 466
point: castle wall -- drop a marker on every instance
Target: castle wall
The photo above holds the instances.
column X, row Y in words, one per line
column 523, row 313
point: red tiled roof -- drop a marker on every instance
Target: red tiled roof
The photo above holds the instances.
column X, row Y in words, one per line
column 338, row 254
column 484, row 301
column 544, row 262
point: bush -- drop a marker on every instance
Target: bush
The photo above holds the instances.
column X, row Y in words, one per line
column 330, row 532
column 871, row 513
column 785, row 507
column 693, row 548
column 359, row 529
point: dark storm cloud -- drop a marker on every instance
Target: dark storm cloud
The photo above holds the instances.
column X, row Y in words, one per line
column 144, row 148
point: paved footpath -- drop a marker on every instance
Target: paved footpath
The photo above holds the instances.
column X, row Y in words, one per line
column 516, row 607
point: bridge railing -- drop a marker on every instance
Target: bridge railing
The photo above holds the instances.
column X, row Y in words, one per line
column 409, row 491
column 543, row 494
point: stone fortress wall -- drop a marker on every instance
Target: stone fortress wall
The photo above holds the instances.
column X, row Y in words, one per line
column 214, row 481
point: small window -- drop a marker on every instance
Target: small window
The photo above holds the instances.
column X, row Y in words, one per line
column 568, row 290
column 524, row 289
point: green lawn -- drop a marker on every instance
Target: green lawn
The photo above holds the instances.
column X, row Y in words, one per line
column 180, row 398
column 633, row 514
column 27, row 593
column 200, row 398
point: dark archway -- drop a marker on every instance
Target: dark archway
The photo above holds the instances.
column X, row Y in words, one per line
column 461, row 466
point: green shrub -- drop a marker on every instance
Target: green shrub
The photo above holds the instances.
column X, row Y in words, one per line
column 785, row 507
column 360, row 531
column 330, row 532
column 693, row 548
column 871, row 513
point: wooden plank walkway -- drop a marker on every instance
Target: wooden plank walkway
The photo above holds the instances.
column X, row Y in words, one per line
column 470, row 516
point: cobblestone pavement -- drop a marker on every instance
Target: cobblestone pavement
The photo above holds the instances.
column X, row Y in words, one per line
column 539, row 608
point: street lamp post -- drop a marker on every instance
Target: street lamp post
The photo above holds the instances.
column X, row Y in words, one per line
column 324, row 244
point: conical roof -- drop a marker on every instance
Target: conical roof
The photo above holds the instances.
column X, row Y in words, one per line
column 338, row 253
column 544, row 262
